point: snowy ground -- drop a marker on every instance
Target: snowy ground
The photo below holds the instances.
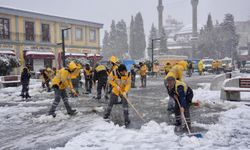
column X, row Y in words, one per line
column 24, row 125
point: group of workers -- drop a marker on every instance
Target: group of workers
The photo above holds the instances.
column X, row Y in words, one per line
column 116, row 82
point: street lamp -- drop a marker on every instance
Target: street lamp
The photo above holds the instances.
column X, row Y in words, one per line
column 63, row 47
column 153, row 52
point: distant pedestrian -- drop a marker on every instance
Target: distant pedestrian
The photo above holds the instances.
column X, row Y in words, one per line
column 25, row 80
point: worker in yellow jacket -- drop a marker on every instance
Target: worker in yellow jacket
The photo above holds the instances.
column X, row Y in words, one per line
column 75, row 78
column 60, row 82
column 200, row 67
column 88, row 75
column 181, row 92
column 177, row 70
column 114, row 61
column 167, row 68
column 120, row 80
column 143, row 73
column 47, row 74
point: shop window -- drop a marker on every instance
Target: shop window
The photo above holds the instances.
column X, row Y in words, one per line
column 29, row 31
column 48, row 62
column 92, row 35
column 4, row 28
column 78, row 34
column 45, row 33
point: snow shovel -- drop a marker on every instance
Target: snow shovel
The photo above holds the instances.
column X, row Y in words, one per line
column 198, row 135
column 140, row 116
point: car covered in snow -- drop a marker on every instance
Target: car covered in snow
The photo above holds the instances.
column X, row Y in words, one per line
column 207, row 64
column 246, row 68
column 227, row 64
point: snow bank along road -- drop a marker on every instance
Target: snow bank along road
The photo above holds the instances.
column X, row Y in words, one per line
column 24, row 125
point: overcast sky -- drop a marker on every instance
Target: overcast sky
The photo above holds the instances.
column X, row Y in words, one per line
column 103, row 11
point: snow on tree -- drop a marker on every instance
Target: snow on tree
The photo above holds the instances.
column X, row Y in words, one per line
column 231, row 39
column 121, row 39
column 152, row 35
column 112, row 38
column 106, row 48
column 163, row 41
column 132, row 36
column 7, row 64
column 138, row 50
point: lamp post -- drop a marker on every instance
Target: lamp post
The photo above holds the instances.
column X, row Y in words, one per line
column 152, row 64
column 63, row 47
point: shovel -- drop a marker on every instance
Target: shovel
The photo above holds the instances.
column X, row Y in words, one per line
column 136, row 111
column 198, row 135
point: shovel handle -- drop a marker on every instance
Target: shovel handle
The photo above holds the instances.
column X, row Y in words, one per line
column 182, row 114
column 140, row 116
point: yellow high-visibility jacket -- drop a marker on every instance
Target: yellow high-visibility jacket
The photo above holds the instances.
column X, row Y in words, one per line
column 63, row 80
column 177, row 70
column 115, row 67
column 76, row 73
column 200, row 66
column 143, row 70
column 88, row 72
column 124, row 82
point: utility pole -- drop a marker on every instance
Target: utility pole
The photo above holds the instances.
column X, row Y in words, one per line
column 63, row 47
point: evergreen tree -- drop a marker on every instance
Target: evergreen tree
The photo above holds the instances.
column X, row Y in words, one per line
column 106, row 45
column 163, row 41
column 210, row 25
column 132, row 36
column 121, row 39
column 230, row 38
column 139, row 38
column 152, row 35
column 112, row 39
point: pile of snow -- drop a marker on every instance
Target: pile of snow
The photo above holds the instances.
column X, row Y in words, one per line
column 223, row 135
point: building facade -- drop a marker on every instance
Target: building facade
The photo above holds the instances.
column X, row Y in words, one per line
column 35, row 37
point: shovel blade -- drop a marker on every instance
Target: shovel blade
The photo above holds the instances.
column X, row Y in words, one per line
column 198, row 135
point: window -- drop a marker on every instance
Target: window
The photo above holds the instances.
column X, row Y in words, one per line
column 4, row 28
column 66, row 32
column 45, row 33
column 78, row 34
column 92, row 35
column 29, row 31
column 48, row 62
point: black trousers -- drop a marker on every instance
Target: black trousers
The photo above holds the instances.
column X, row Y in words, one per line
column 133, row 81
column 25, row 89
column 88, row 84
column 60, row 94
column 144, row 81
column 114, row 100
column 101, row 85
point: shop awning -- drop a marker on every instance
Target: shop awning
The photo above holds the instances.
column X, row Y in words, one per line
column 75, row 55
column 94, row 57
column 39, row 55
column 7, row 52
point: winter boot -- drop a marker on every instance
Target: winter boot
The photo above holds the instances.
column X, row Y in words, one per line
column 53, row 114
column 72, row 112
column 106, row 116
column 69, row 110
column 127, row 122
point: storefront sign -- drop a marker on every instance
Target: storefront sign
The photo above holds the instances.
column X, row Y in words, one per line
column 37, row 48
column 6, row 47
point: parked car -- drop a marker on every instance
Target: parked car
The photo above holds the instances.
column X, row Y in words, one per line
column 246, row 68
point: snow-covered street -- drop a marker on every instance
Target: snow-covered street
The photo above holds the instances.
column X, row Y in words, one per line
column 25, row 125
